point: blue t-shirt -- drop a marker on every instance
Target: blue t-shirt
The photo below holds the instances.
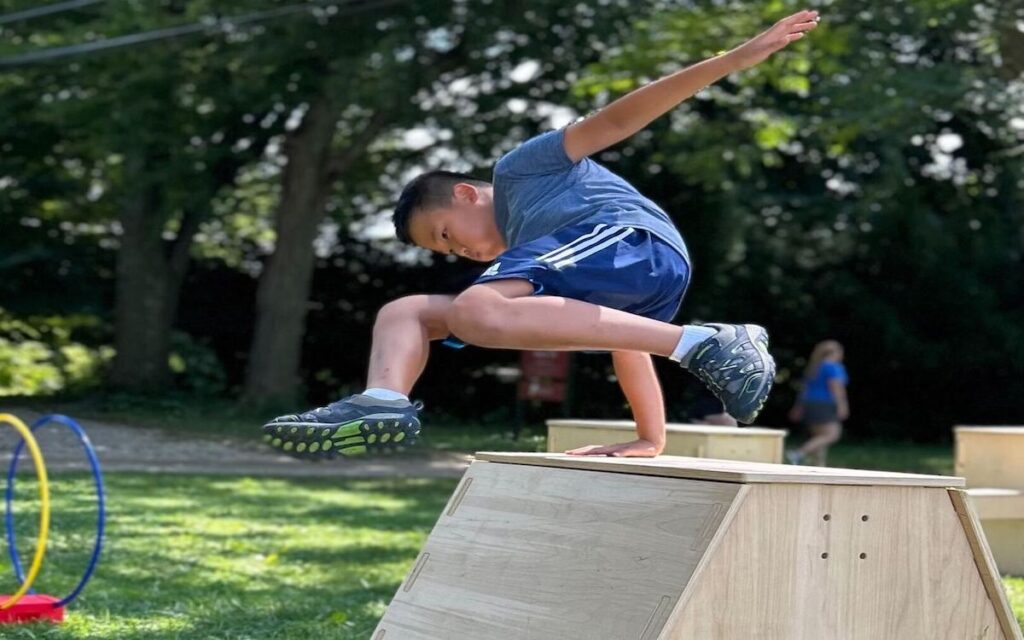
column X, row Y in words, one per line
column 816, row 389
column 539, row 189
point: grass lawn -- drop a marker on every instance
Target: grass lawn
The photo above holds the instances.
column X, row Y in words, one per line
column 220, row 558
column 223, row 558
column 1015, row 592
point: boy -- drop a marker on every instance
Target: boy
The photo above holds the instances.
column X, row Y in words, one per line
column 582, row 261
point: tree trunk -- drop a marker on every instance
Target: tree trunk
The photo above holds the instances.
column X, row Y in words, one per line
column 150, row 273
column 143, row 310
column 284, row 287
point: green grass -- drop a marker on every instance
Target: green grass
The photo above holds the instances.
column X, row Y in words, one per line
column 906, row 457
column 218, row 558
column 1015, row 592
column 239, row 558
column 229, row 558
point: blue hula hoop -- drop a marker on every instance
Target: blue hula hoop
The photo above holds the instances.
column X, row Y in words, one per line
column 101, row 516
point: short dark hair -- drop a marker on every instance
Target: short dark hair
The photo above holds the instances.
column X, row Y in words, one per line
column 429, row 190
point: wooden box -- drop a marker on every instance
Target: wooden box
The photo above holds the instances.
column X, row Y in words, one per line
column 990, row 456
column 755, row 444
column 555, row 547
column 991, row 459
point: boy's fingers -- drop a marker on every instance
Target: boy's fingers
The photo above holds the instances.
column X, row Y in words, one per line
column 589, row 450
column 800, row 16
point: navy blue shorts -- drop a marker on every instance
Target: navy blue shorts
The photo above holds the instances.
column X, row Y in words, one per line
column 618, row 267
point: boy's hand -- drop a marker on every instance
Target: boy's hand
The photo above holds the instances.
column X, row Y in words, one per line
column 778, row 36
column 634, row 449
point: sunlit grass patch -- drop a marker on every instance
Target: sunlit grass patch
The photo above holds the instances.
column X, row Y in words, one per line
column 1015, row 592
column 218, row 558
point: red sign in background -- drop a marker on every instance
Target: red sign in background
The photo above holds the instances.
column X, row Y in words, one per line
column 544, row 375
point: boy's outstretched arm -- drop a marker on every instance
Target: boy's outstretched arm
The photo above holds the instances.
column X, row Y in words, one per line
column 639, row 383
column 635, row 110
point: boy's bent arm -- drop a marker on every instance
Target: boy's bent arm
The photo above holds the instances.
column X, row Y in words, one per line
column 634, row 111
column 639, row 383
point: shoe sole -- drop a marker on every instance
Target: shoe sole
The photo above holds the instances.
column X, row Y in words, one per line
column 379, row 432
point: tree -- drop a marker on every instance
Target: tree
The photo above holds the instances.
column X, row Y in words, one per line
column 860, row 186
column 164, row 132
column 377, row 81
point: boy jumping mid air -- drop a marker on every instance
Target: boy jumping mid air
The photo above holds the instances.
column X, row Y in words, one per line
column 581, row 261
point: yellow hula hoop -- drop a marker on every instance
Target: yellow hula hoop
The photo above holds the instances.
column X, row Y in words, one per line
column 44, row 507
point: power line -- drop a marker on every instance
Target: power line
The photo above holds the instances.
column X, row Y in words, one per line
column 59, row 7
column 52, row 53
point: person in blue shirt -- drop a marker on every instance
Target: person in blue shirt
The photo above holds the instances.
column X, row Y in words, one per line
column 580, row 260
column 822, row 404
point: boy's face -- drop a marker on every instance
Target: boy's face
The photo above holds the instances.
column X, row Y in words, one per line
column 465, row 228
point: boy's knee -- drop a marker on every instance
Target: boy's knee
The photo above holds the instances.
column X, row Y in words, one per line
column 426, row 310
column 476, row 317
column 407, row 307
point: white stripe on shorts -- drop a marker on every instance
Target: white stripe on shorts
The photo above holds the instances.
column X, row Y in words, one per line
column 579, row 245
column 570, row 245
column 610, row 241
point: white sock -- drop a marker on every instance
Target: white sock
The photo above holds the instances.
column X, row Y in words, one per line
column 385, row 394
column 693, row 334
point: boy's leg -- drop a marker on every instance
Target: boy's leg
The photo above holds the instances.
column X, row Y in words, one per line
column 504, row 314
column 401, row 340
column 362, row 422
column 733, row 361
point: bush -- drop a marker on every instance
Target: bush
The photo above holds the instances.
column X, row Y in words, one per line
column 195, row 366
column 40, row 355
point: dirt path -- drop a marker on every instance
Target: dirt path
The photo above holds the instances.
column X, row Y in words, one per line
column 125, row 448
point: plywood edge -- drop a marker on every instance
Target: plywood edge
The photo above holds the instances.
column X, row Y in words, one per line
column 986, row 564
column 723, row 470
column 994, row 429
column 709, row 552
column 996, row 503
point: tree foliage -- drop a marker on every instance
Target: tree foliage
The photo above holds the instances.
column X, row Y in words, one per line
column 863, row 185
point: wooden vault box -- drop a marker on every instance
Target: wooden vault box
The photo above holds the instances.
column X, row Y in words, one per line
column 991, row 459
column 755, row 444
column 553, row 547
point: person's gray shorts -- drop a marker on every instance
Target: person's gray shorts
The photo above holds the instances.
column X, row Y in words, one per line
column 820, row 412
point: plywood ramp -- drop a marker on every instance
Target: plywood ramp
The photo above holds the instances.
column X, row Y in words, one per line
column 535, row 547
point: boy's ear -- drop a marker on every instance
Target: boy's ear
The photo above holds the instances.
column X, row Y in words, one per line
column 464, row 192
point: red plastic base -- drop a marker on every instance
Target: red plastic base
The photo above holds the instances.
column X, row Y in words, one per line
column 32, row 608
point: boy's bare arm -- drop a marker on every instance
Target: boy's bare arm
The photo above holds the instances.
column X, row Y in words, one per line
column 635, row 110
column 639, row 383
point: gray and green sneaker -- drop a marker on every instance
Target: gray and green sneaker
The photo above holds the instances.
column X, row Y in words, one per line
column 351, row 426
column 736, row 367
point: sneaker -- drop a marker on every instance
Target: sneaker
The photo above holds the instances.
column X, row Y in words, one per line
column 351, row 426
column 793, row 456
column 736, row 367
